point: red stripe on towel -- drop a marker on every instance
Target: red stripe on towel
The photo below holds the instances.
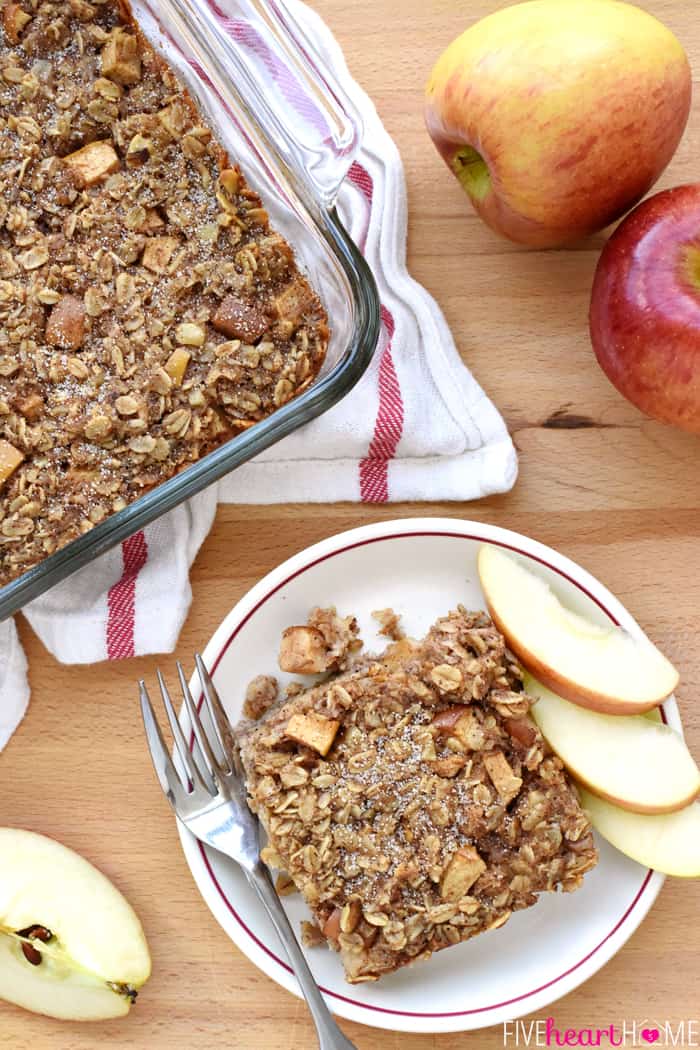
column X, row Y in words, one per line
column 121, row 599
column 362, row 179
column 388, row 427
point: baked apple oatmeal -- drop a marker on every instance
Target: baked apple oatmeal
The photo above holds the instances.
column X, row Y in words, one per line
column 410, row 798
column 148, row 312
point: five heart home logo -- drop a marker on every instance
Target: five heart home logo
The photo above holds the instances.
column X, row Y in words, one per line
column 544, row 1032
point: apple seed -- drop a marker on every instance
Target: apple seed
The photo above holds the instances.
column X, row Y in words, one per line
column 31, row 954
column 39, row 933
column 36, row 933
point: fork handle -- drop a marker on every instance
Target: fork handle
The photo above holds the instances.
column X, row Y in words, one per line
column 330, row 1036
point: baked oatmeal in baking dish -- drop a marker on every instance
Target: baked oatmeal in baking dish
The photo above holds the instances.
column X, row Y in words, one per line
column 148, row 312
column 410, row 797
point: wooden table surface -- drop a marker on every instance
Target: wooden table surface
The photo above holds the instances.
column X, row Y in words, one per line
column 618, row 493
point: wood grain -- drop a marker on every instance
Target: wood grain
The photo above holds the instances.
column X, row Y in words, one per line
column 619, row 494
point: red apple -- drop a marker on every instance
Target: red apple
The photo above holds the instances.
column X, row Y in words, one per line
column 557, row 117
column 645, row 307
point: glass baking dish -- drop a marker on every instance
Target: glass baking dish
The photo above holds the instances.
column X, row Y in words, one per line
column 284, row 118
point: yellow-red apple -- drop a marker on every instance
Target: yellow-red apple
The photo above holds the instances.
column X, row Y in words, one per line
column 645, row 307
column 557, row 116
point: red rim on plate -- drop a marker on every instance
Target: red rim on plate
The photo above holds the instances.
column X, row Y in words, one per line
column 229, row 905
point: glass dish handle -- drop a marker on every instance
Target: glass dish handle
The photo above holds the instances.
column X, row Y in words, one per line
column 258, row 52
column 331, row 125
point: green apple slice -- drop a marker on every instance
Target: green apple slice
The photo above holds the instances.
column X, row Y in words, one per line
column 638, row 764
column 89, row 956
column 668, row 842
column 597, row 666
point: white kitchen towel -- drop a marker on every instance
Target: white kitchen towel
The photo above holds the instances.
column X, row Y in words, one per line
column 416, row 427
column 14, row 688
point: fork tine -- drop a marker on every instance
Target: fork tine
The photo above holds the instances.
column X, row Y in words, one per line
column 210, row 759
column 219, row 718
column 183, row 751
column 165, row 770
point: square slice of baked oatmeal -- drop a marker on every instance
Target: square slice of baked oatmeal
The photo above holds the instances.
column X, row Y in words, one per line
column 412, row 799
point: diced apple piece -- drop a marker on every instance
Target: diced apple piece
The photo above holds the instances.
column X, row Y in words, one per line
column 313, row 730
column 189, row 334
column 158, row 252
column 461, row 873
column 331, row 927
column 239, row 320
column 502, row 776
column 303, row 650
column 176, row 365
column 66, row 324
column 460, row 721
column 10, row 459
column 603, row 668
column 121, row 60
column 93, row 162
column 96, row 957
column 14, row 20
column 638, row 764
column 293, row 302
column 669, row 842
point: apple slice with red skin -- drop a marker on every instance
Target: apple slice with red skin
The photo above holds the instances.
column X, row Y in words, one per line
column 601, row 667
column 629, row 760
column 645, row 307
column 669, row 843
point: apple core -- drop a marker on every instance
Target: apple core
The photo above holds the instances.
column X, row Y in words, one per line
column 472, row 171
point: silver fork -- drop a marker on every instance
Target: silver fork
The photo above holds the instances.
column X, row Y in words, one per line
column 210, row 799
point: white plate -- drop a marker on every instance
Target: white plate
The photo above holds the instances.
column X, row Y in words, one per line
column 422, row 568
